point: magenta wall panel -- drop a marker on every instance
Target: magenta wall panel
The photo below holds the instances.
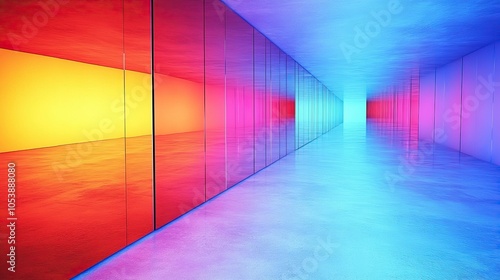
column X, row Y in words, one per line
column 406, row 104
column 273, row 98
column 477, row 103
column 426, row 108
column 496, row 107
column 448, row 98
column 414, row 106
column 239, row 99
column 260, row 100
column 400, row 106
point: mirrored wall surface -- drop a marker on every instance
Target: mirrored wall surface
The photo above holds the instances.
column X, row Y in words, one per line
column 76, row 127
column 120, row 116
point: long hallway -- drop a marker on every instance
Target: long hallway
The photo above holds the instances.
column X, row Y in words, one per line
column 354, row 204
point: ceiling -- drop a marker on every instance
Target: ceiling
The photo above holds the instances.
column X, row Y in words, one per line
column 325, row 36
column 322, row 35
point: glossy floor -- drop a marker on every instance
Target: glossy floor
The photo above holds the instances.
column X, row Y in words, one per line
column 355, row 204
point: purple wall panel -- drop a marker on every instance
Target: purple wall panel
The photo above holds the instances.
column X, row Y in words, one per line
column 260, row 100
column 496, row 107
column 426, row 109
column 448, row 101
column 477, row 104
column 239, row 99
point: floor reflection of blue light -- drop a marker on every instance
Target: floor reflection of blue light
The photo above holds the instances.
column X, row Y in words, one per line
column 331, row 210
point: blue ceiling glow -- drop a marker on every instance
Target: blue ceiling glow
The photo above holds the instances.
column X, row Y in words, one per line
column 375, row 43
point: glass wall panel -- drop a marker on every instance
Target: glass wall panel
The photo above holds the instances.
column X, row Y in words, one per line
column 324, row 114
column 414, row 105
column 298, row 103
column 138, row 125
column 312, row 107
column 477, row 103
column 63, row 135
column 215, row 98
column 496, row 109
column 302, row 117
column 274, row 98
column 179, row 107
column 290, row 104
column 308, row 115
column 260, row 100
column 426, row 109
column 315, row 108
column 328, row 110
column 448, row 96
column 239, row 99
column 282, row 103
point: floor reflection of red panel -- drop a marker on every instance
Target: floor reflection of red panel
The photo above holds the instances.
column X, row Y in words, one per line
column 215, row 162
column 71, row 206
column 139, row 187
column 180, row 174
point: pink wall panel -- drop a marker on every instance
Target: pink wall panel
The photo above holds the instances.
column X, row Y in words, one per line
column 414, row 106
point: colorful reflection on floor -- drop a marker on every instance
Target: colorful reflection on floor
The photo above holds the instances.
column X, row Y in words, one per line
column 65, row 201
column 357, row 203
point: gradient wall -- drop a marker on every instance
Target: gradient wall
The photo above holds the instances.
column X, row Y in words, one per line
column 461, row 104
column 76, row 122
column 457, row 104
column 86, row 87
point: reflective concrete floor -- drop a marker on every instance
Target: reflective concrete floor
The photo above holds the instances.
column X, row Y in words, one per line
column 355, row 204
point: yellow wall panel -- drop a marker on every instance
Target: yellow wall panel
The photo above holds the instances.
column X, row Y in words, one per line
column 48, row 101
